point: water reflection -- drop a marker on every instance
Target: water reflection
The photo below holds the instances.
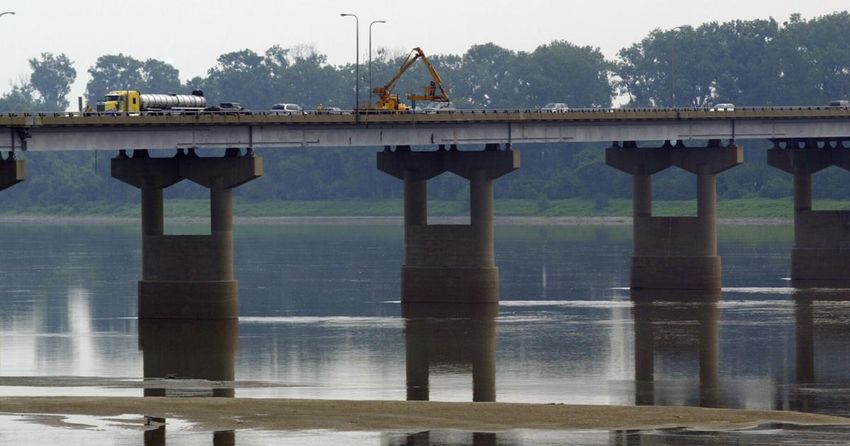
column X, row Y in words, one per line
column 822, row 333
column 448, row 439
column 452, row 338
column 674, row 328
column 187, row 358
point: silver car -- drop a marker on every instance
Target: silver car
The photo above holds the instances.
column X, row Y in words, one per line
column 555, row 107
column 437, row 107
column 287, row 108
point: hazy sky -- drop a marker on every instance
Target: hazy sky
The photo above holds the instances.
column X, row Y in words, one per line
column 191, row 34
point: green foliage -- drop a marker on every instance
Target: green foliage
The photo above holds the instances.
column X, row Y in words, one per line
column 52, row 77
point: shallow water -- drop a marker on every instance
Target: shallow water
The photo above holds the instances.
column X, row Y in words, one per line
column 320, row 318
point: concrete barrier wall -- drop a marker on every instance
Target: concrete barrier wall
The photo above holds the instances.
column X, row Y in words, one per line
column 669, row 237
column 187, row 257
column 823, row 230
column 442, row 246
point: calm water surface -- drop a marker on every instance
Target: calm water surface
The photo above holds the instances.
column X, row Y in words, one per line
column 320, row 318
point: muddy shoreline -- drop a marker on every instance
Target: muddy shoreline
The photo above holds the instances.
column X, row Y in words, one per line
column 291, row 414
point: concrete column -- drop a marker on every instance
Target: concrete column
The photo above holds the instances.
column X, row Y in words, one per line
column 221, row 226
column 802, row 204
column 481, row 215
column 187, row 277
column 415, row 199
column 152, row 209
column 641, row 195
column 802, row 192
column 449, row 263
column 707, row 212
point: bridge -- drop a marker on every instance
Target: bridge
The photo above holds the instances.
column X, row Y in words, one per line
column 191, row 277
column 161, row 130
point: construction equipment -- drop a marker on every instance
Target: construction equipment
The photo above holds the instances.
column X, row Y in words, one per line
column 132, row 101
column 434, row 92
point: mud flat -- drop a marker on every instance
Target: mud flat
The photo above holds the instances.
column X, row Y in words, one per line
column 290, row 414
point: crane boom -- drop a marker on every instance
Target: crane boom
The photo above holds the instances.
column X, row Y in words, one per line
column 389, row 101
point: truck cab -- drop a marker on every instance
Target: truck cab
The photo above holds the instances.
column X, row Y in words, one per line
column 121, row 101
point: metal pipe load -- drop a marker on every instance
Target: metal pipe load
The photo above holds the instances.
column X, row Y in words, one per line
column 172, row 101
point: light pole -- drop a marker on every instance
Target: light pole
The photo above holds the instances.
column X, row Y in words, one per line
column 370, row 58
column 357, row 62
column 675, row 39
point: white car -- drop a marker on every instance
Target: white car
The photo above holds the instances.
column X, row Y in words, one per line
column 287, row 108
column 437, row 107
column 723, row 107
column 555, row 107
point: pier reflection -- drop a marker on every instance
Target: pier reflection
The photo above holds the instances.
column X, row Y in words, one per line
column 822, row 346
column 188, row 358
column 450, row 339
column 674, row 329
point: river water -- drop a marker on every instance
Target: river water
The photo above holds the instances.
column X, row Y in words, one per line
column 320, row 318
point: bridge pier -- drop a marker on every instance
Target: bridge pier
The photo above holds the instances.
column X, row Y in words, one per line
column 449, row 263
column 674, row 252
column 12, row 171
column 187, row 276
column 821, row 253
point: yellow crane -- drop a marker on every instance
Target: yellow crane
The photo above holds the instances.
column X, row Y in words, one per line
column 387, row 100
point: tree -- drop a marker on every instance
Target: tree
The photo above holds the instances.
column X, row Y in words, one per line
column 120, row 72
column 241, row 76
column 52, row 77
column 20, row 99
column 563, row 72
column 113, row 72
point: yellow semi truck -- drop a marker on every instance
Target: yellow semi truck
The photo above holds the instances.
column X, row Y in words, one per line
column 133, row 101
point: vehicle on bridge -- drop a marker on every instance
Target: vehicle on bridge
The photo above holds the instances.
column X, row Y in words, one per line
column 437, row 107
column 434, row 92
column 286, row 108
column 133, row 101
column 555, row 107
column 726, row 106
column 228, row 107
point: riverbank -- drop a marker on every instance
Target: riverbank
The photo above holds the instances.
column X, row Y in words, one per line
column 215, row 414
column 568, row 211
column 354, row 221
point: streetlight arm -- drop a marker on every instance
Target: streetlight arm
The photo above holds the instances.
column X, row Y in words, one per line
column 357, row 60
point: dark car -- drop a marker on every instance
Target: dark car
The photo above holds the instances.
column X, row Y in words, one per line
column 227, row 107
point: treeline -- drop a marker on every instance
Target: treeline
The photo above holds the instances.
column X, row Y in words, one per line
column 757, row 62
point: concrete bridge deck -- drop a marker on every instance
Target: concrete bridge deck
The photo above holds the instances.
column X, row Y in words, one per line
column 73, row 131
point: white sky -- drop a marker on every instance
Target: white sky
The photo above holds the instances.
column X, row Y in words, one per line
column 191, row 34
